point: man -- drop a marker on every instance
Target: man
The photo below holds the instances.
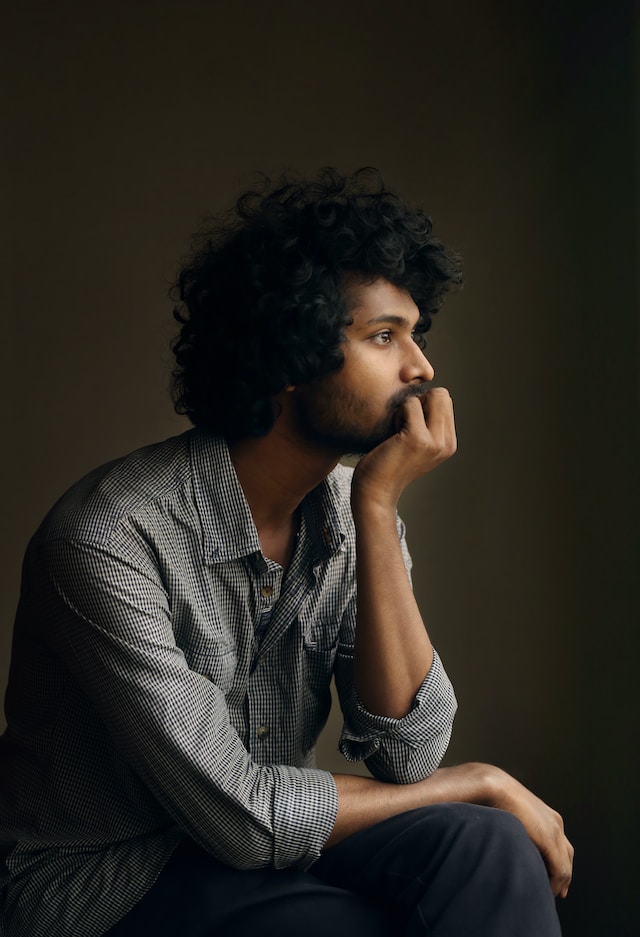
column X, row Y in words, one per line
column 184, row 609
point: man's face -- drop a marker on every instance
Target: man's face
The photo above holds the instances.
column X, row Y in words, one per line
column 355, row 409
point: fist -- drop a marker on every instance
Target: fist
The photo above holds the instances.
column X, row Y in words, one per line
column 425, row 436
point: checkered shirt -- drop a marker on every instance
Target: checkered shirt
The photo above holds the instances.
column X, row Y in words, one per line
column 166, row 679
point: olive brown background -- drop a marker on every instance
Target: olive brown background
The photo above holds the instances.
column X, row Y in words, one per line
column 514, row 124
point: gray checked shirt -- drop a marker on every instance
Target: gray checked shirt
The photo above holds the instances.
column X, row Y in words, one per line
column 168, row 680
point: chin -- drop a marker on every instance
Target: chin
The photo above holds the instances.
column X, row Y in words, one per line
column 355, row 444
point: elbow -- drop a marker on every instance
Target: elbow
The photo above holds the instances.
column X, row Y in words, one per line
column 241, row 849
column 414, row 763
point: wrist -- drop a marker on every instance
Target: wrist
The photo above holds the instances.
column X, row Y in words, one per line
column 371, row 504
column 370, row 492
column 496, row 786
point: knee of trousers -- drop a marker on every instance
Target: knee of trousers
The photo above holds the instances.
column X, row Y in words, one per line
column 457, row 856
column 483, row 843
column 449, row 843
column 464, row 836
column 478, row 828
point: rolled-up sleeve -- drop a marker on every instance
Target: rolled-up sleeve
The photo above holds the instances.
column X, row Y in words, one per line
column 402, row 750
column 305, row 809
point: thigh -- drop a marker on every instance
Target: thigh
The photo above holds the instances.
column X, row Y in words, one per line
column 449, row 869
column 196, row 896
column 420, row 844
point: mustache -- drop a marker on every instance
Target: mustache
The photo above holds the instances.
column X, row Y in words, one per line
column 414, row 390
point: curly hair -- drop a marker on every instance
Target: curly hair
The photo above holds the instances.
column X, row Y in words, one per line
column 264, row 297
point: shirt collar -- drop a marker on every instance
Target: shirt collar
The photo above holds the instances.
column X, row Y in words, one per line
column 323, row 516
column 229, row 532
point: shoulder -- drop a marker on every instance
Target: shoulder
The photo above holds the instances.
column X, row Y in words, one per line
column 97, row 504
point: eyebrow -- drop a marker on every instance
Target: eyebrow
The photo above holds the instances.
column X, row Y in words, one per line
column 391, row 318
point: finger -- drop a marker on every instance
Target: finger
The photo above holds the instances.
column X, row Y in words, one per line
column 435, row 401
column 438, row 414
column 437, row 437
column 412, row 415
column 560, row 883
column 560, row 867
column 568, row 875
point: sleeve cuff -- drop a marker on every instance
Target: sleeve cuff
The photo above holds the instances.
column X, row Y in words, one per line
column 431, row 715
column 304, row 814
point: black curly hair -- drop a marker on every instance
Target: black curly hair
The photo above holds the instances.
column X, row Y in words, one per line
column 263, row 300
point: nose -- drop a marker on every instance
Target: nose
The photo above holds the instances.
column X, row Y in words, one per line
column 417, row 366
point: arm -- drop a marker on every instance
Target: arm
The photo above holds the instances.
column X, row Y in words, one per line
column 397, row 699
column 365, row 801
column 393, row 652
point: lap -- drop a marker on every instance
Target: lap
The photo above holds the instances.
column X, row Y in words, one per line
column 432, row 870
column 449, row 869
column 422, row 842
column 196, row 896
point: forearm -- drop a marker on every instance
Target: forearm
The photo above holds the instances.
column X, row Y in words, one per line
column 393, row 653
column 362, row 802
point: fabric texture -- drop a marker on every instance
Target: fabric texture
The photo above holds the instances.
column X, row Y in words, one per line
column 167, row 680
column 445, row 870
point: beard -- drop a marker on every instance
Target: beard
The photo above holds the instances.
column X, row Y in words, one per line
column 340, row 420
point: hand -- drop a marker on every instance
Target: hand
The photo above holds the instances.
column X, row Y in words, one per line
column 426, row 436
column 543, row 824
column 477, row 783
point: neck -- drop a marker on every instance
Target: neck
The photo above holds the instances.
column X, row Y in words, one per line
column 276, row 472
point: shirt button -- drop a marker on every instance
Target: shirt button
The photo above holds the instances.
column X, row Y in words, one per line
column 262, row 732
column 266, row 592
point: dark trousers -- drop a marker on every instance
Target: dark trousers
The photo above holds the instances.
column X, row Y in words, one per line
column 452, row 870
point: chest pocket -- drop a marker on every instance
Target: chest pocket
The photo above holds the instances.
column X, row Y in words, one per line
column 319, row 648
column 320, row 645
column 318, row 634
column 217, row 662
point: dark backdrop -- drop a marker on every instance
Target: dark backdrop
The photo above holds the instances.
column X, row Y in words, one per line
column 514, row 124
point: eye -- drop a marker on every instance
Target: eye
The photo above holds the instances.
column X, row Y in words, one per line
column 420, row 339
column 382, row 338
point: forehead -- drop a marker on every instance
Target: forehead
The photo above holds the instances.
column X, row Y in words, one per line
column 379, row 302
